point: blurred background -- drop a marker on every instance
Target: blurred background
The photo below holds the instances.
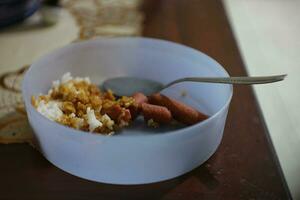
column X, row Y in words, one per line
column 266, row 33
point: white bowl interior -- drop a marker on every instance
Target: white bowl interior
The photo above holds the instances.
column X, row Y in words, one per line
column 143, row 58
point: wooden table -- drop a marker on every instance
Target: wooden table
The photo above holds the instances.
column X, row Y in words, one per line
column 245, row 165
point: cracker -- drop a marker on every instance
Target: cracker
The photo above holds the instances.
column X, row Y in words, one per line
column 14, row 128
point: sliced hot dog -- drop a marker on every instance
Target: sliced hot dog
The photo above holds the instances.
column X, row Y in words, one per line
column 139, row 99
column 180, row 111
column 159, row 114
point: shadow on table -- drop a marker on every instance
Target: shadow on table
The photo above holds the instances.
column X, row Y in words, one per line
column 183, row 186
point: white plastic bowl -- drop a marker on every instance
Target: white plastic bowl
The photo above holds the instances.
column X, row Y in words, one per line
column 137, row 155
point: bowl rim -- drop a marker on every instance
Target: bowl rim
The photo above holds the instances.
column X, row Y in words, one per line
column 120, row 136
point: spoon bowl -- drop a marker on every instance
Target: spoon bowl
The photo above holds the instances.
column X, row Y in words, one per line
column 126, row 86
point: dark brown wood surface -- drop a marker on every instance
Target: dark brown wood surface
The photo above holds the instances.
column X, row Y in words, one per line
column 244, row 166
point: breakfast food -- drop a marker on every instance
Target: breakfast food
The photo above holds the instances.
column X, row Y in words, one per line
column 180, row 111
column 139, row 99
column 77, row 103
column 158, row 114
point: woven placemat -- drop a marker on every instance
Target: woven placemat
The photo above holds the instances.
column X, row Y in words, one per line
column 94, row 18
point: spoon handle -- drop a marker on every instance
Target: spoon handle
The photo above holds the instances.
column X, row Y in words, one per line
column 231, row 80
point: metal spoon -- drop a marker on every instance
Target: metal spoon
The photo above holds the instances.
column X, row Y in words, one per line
column 126, row 86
